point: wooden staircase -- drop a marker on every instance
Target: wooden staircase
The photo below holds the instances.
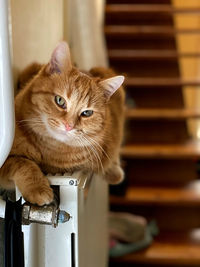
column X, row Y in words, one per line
column 159, row 155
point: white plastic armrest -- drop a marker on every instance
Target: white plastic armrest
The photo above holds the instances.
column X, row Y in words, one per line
column 6, row 87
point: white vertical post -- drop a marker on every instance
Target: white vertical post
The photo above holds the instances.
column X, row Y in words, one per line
column 6, row 87
column 2, row 208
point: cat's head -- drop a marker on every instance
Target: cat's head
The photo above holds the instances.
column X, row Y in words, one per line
column 69, row 105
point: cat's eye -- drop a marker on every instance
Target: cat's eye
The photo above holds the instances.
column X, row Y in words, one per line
column 60, row 101
column 87, row 113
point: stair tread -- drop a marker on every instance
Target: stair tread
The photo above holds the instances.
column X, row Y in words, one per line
column 156, row 82
column 134, row 113
column 148, row 8
column 144, row 195
column 145, row 29
column 181, row 248
column 148, row 54
column 183, row 150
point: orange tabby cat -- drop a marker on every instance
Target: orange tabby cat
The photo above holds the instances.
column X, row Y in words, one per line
column 65, row 120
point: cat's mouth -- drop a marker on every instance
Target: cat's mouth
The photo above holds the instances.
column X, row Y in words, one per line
column 64, row 132
column 68, row 134
column 68, row 137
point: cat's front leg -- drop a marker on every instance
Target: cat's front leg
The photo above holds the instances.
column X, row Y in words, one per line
column 29, row 179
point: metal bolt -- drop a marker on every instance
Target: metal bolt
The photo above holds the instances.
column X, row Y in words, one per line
column 63, row 216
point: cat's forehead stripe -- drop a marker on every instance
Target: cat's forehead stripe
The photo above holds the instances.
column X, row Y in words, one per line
column 77, row 100
column 79, row 90
column 69, row 91
column 72, row 100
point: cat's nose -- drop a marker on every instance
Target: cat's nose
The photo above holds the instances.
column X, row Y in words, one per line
column 68, row 127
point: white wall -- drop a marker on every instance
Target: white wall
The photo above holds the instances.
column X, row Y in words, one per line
column 190, row 67
column 37, row 26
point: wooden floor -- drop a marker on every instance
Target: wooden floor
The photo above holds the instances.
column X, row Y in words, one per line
column 169, row 248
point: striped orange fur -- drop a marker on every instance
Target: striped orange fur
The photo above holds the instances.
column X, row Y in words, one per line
column 44, row 142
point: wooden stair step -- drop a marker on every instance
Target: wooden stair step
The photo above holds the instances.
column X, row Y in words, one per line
column 149, row 8
column 127, row 54
column 168, row 114
column 168, row 248
column 160, row 82
column 140, row 195
column 130, row 30
column 153, row 2
column 190, row 149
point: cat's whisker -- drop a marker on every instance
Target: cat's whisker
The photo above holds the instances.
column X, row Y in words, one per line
column 80, row 141
column 96, row 157
column 32, row 127
column 29, row 125
column 93, row 148
column 32, row 123
column 30, row 120
column 99, row 146
column 85, row 141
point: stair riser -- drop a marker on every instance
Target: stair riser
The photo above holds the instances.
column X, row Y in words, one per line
column 143, row 68
column 152, row 172
column 131, row 42
column 138, row 19
column 165, row 97
column 141, row 132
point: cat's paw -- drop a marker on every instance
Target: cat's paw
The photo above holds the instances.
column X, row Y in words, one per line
column 114, row 175
column 39, row 194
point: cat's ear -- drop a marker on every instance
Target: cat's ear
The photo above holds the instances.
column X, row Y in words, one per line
column 60, row 59
column 111, row 85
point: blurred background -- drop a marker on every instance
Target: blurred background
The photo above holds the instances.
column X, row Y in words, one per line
column 156, row 45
